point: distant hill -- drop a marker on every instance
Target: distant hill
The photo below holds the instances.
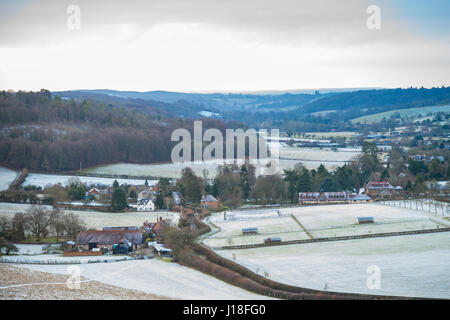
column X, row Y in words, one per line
column 325, row 110
column 402, row 113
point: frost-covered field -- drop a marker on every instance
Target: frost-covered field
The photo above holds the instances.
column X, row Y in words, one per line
column 316, row 154
column 41, row 180
column 310, row 157
column 29, row 249
column 96, row 219
column 320, row 221
column 6, row 178
column 59, row 259
column 156, row 277
column 414, row 265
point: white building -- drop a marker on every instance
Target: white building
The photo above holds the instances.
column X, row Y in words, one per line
column 144, row 205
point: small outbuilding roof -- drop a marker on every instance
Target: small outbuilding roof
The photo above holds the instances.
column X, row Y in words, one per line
column 209, row 198
column 359, row 197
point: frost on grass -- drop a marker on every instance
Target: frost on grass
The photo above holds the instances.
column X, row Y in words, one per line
column 6, row 178
column 413, row 265
column 98, row 220
column 322, row 221
column 156, row 277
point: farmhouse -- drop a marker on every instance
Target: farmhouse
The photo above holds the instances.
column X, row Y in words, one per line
column 92, row 239
column 145, row 205
column 209, row 201
column 147, row 193
column 94, row 192
column 379, row 190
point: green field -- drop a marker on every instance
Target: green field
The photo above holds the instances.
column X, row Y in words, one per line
column 417, row 112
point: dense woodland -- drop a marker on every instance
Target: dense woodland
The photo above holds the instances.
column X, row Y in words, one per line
column 45, row 133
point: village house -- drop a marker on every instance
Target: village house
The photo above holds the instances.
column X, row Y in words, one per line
column 94, row 192
column 146, row 193
column 144, row 205
column 379, row 190
column 209, row 201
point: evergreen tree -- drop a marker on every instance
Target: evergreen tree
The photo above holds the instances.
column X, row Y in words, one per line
column 304, row 181
column 245, row 183
column 119, row 199
column 329, row 185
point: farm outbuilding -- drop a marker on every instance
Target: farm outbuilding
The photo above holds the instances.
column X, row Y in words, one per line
column 162, row 250
column 360, row 198
column 272, row 240
column 246, row 231
column 91, row 239
column 209, row 201
column 362, row 220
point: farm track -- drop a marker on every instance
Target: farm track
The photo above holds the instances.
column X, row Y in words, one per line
column 301, row 226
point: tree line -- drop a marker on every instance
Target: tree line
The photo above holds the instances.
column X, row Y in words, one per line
column 38, row 223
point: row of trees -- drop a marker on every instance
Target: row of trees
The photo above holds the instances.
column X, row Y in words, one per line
column 39, row 223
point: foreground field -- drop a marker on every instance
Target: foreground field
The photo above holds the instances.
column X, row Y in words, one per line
column 311, row 222
column 415, row 265
column 96, row 219
column 155, row 277
column 20, row 283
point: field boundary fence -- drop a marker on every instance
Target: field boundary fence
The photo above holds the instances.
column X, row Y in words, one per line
column 425, row 205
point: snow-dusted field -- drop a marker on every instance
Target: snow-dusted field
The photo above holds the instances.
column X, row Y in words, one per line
column 414, row 265
column 29, row 249
column 98, row 220
column 217, row 242
column 6, row 178
column 42, row 180
column 156, row 277
column 316, row 154
column 320, row 221
column 311, row 158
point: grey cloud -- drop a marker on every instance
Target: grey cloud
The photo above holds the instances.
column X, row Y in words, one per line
column 292, row 22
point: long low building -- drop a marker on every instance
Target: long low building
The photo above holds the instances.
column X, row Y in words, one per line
column 91, row 239
column 331, row 197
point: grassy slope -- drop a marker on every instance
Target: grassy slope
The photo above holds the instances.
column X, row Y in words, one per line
column 403, row 112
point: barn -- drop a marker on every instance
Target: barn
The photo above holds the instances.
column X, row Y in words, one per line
column 91, row 239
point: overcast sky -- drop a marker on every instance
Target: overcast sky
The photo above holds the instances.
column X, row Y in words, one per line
column 226, row 45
